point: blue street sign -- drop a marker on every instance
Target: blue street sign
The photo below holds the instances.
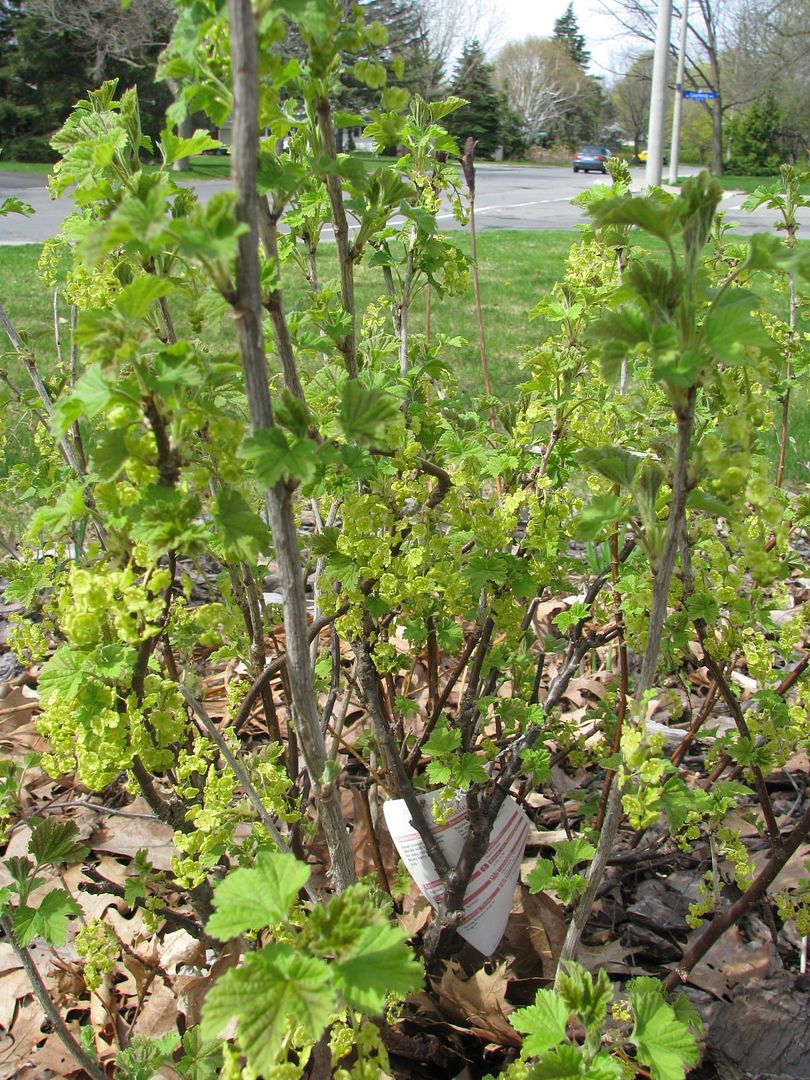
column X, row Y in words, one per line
column 700, row 95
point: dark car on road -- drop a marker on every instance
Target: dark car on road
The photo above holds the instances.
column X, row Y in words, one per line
column 591, row 159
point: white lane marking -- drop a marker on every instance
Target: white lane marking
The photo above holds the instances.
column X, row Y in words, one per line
column 479, row 210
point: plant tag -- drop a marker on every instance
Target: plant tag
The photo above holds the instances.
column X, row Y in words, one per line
column 488, row 899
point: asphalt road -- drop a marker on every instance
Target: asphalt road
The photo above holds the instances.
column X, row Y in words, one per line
column 507, row 197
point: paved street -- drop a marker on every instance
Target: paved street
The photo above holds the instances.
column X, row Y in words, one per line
column 507, row 197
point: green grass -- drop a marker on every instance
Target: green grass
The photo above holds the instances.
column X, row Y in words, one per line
column 25, row 167
column 517, row 268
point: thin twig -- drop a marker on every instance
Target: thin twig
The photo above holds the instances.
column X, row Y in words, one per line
column 91, row 1067
column 240, row 772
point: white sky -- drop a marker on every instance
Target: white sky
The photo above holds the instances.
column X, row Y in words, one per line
column 518, row 19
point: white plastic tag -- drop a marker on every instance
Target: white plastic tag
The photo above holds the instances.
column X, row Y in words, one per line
column 488, row 899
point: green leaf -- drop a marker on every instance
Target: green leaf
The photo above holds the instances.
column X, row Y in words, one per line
column 653, row 215
column 662, row 1040
column 603, row 511
column 442, row 741
column 142, row 1059
column 613, row 462
column 371, row 73
column 470, row 771
column 250, row 898
column 543, row 1023
column 48, row 921
column 365, row 412
column 680, row 368
column 62, row 675
column 273, row 990
column 440, row 109
column 570, row 853
column 381, row 964
column 584, row 995
column 172, row 147
column 292, row 413
column 13, row 205
column 730, row 328
column 54, row 841
column 90, row 396
column 242, row 533
column 277, row 457
column 567, row 1062
column 541, row 876
column 135, row 299
column 202, row 1058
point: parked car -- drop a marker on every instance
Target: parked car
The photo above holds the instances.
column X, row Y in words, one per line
column 591, row 159
column 642, row 157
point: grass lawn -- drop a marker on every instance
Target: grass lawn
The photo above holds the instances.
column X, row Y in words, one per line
column 517, row 268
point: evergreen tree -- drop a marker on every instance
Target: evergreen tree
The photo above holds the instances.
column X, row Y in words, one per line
column 567, row 32
column 483, row 117
column 42, row 75
column 47, row 66
column 755, row 139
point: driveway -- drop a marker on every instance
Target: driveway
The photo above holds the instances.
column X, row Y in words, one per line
column 507, row 197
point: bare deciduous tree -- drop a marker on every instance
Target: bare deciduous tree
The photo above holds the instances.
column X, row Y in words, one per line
column 450, row 24
column 711, row 24
column 130, row 35
column 540, row 81
column 631, row 99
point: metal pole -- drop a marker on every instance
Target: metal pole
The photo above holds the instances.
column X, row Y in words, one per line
column 676, row 114
column 658, row 94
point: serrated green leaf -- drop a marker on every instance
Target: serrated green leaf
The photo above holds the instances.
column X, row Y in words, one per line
column 135, row 299
column 172, row 147
column 469, row 770
column 13, row 205
column 277, row 457
column 63, row 675
column 570, row 853
column 242, row 535
column 202, row 1058
column 730, row 327
column 604, row 510
column 442, row 741
column 54, row 841
column 253, row 897
column 541, row 876
column 380, row 964
column 48, row 921
column 560, row 1063
column 365, row 412
column 613, row 462
column 662, row 1040
column 273, row 990
column 440, row 109
column 653, row 215
column 543, row 1023
column 584, row 995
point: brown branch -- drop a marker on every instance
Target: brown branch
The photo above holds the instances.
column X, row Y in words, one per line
column 274, row 301
column 247, row 308
column 752, row 895
column 684, row 413
column 91, row 1067
column 396, row 774
column 334, row 188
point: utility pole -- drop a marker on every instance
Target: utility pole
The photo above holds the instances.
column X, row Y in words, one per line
column 658, row 95
column 676, row 115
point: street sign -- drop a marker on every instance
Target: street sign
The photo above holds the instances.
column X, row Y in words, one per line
column 700, row 95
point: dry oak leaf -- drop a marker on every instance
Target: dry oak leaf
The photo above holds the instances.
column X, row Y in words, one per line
column 478, row 1002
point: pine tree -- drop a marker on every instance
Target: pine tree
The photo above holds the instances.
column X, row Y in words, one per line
column 567, row 32
column 483, row 117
